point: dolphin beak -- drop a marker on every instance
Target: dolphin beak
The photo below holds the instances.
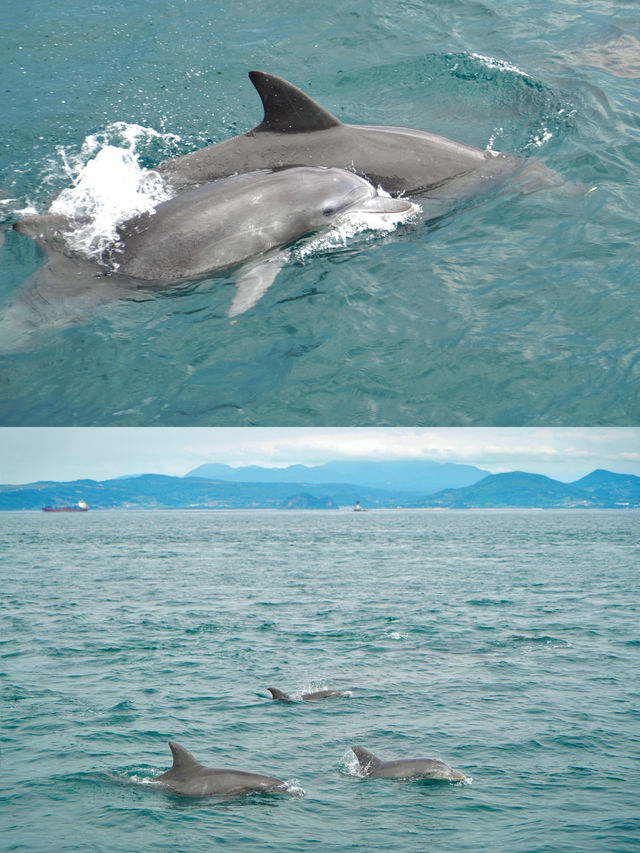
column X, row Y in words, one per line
column 387, row 204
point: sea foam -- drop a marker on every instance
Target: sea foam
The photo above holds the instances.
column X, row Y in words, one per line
column 109, row 186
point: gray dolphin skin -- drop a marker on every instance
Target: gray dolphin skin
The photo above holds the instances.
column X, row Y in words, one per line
column 307, row 697
column 222, row 224
column 238, row 223
column 297, row 131
column 405, row 768
column 187, row 776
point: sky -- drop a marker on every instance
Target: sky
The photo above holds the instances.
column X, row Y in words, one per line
column 99, row 453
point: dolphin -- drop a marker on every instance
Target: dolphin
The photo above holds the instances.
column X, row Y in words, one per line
column 297, row 131
column 405, row 768
column 238, row 224
column 187, row 776
column 229, row 222
column 307, row 697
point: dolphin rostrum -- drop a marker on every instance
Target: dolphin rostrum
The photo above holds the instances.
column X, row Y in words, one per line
column 307, row 697
column 187, row 776
column 297, row 131
column 405, row 768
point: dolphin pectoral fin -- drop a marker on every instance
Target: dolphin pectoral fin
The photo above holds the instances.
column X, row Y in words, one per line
column 287, row 109
column 254, row 280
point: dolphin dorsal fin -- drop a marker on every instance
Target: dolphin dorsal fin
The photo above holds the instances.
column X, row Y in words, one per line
column 182, row 758
column 287, row 109
column 367, row 760
column 278, row 694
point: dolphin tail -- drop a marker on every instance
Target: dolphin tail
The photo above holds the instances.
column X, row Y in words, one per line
column 278, row 694
column 368, row 761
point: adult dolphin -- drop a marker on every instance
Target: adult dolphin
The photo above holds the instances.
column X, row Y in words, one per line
column 187, row 776
column 297, row 131
column 405, row 768
column 237, row 224
column 307, row 697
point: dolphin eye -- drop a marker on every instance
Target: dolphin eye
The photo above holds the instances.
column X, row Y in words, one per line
column 329, row 211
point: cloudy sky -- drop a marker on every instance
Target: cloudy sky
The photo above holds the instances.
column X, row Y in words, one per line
column 31, row 454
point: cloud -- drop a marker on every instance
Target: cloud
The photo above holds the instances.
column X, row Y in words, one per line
column 498, row 449
column 102, row 452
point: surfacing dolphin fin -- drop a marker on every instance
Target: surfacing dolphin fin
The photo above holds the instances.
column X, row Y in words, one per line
column 182, row 758
column 278, row 694
column 287, row 109
column 369, row 762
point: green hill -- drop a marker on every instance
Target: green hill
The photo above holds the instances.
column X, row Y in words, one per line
column 520, row 489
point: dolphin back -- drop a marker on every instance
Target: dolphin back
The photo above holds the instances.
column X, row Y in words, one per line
column 405, row 768
column 307, row 697
column 321, row 694
column 418, row 768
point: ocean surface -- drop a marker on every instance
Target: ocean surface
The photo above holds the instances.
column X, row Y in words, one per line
column 514, row 309
column 506, row 643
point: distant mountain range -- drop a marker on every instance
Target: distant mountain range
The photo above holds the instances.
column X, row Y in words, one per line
column 420, row 476
column 155, row 491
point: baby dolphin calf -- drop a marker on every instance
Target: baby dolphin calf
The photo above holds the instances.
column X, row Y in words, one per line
column 308, row 697
column 238, row 225
column 405, row 768
column 187, row 776
column 241, row 222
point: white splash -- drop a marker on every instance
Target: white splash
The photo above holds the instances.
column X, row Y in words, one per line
column 540, row 138
column 492, row 140
column 294, row 788
column 499, row 64
column 361, row 224
column 350, row 764
column 109, row 186
column 395, row 635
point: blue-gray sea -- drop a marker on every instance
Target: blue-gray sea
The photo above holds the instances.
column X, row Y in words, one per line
column 506, row 643
column 516, row 309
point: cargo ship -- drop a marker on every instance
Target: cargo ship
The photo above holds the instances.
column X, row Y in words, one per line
column 81, row 506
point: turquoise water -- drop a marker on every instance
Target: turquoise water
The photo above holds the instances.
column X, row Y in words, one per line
column 518, row 309
column 505, row 643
